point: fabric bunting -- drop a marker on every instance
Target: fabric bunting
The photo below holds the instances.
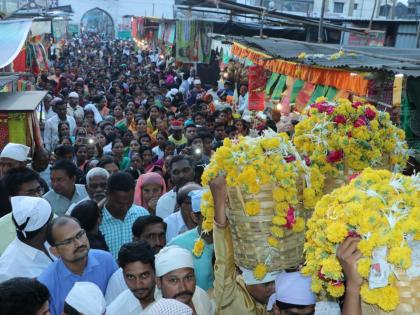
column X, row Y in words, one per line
column 304, row 96
column 271, row 83
column 339, row 79
column 278, row 90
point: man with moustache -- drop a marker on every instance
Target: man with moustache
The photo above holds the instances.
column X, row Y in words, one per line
column 77, row 262
column 137, row 261
column 175, row 277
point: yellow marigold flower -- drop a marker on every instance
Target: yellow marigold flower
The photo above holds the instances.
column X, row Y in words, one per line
column 389, row 298
column 309, row 198
column 299, row 225
column 336, row 290
column 316, row 285
column 272, row 241
column 279, row 194
column 363, row 267
column 276, row 231
column 337, row 232
column 331, row 268
column 400, row 257
column 198, row 247
column 207, row 225
column 278, row 220
column 260, row 271
column 252, row 207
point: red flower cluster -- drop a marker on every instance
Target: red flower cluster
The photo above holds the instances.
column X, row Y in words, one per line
column 335, row 156
column 290, row 218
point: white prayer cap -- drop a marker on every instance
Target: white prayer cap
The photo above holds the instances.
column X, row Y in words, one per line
column 293, row 288
column 248, row 276
column 197, row 81
column 174, row 92
column 30, row 213
column 168, row 306
column 86, row 298
column 196, row 196
column 171, row 258
column 15, row 151
column 73, row 95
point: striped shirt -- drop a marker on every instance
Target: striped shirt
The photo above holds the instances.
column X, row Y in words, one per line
column 118, row 232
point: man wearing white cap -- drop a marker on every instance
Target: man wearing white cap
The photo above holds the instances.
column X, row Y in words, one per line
column 203, row 260
column 293, row 295
column 13, row 155
column 234, row 294
column 27, row 255
column 196, row 93
column 168, row 306
column 74, row 109
column 175, row 277
column 84, row 298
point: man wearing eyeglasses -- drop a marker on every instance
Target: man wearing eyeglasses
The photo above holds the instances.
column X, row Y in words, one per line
column 77, row 262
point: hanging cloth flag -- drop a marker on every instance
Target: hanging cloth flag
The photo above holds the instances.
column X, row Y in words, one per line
column 17, row 128
column 304, row 96
column 271, row 83
column 278, row 90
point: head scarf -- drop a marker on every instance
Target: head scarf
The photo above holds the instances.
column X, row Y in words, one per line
column 97, row 116
column 147, row 179
column 171, row 258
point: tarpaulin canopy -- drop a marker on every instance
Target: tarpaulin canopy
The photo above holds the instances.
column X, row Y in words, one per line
column 13, row 34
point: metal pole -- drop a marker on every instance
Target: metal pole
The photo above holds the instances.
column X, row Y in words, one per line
column 418, row 35
column 373, row 14
column 321, row 22
column 262, row 20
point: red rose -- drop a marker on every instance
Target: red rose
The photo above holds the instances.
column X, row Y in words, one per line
column 360, row 122
column 357, row 104
column 370, row 113
column 340, row 119
column 290, row 158
column 335, row 156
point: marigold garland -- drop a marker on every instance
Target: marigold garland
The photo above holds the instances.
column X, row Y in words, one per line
column 346, row 136
column 384, row 210
column 271, row 159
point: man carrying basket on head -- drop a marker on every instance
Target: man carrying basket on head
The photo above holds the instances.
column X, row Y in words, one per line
column 234, row 294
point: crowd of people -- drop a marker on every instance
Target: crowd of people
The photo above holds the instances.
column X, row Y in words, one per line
column 103, row 218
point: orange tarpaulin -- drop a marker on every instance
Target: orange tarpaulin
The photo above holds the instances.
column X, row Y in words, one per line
column 339, row 79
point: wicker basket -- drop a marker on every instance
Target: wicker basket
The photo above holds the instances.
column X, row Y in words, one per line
column 409, row 298
column 250, row 233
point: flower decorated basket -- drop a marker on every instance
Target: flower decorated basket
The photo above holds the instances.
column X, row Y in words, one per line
column 382, row 208
column 271, row 193
column 344, row 138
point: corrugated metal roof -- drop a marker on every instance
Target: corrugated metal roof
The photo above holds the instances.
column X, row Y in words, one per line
column 6, row 79
column 374, row 58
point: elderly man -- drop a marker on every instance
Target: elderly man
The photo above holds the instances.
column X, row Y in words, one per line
column 65, row 191
column 119, row 212
column 181, row 221
column 74, row 109
column 13, row 155
column 51, row 126
column 176, row 279
column 137, row 261
column 27, row 255
column 77, row 262
column 234, row 294
column 96, row 181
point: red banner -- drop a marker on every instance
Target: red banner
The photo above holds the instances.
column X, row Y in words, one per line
column 256, row 87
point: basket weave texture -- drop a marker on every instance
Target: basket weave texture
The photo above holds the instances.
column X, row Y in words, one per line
column 409, row 289
column 250, row 233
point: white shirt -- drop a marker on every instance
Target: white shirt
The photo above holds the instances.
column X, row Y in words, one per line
column 176, row 225
column 22, row 260
column 158, row 152
column 166, row 204
column 213, row 93
column 243, row 103
column 116, row 286
column 51, row 131
column 127, row 304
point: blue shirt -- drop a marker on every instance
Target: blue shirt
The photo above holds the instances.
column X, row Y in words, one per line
column 118, row 232
column 203, row 265
column 59, row 279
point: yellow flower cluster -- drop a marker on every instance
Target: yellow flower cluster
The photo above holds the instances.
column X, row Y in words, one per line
column 271, row 159
column 381, row 207
column 343, row 138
